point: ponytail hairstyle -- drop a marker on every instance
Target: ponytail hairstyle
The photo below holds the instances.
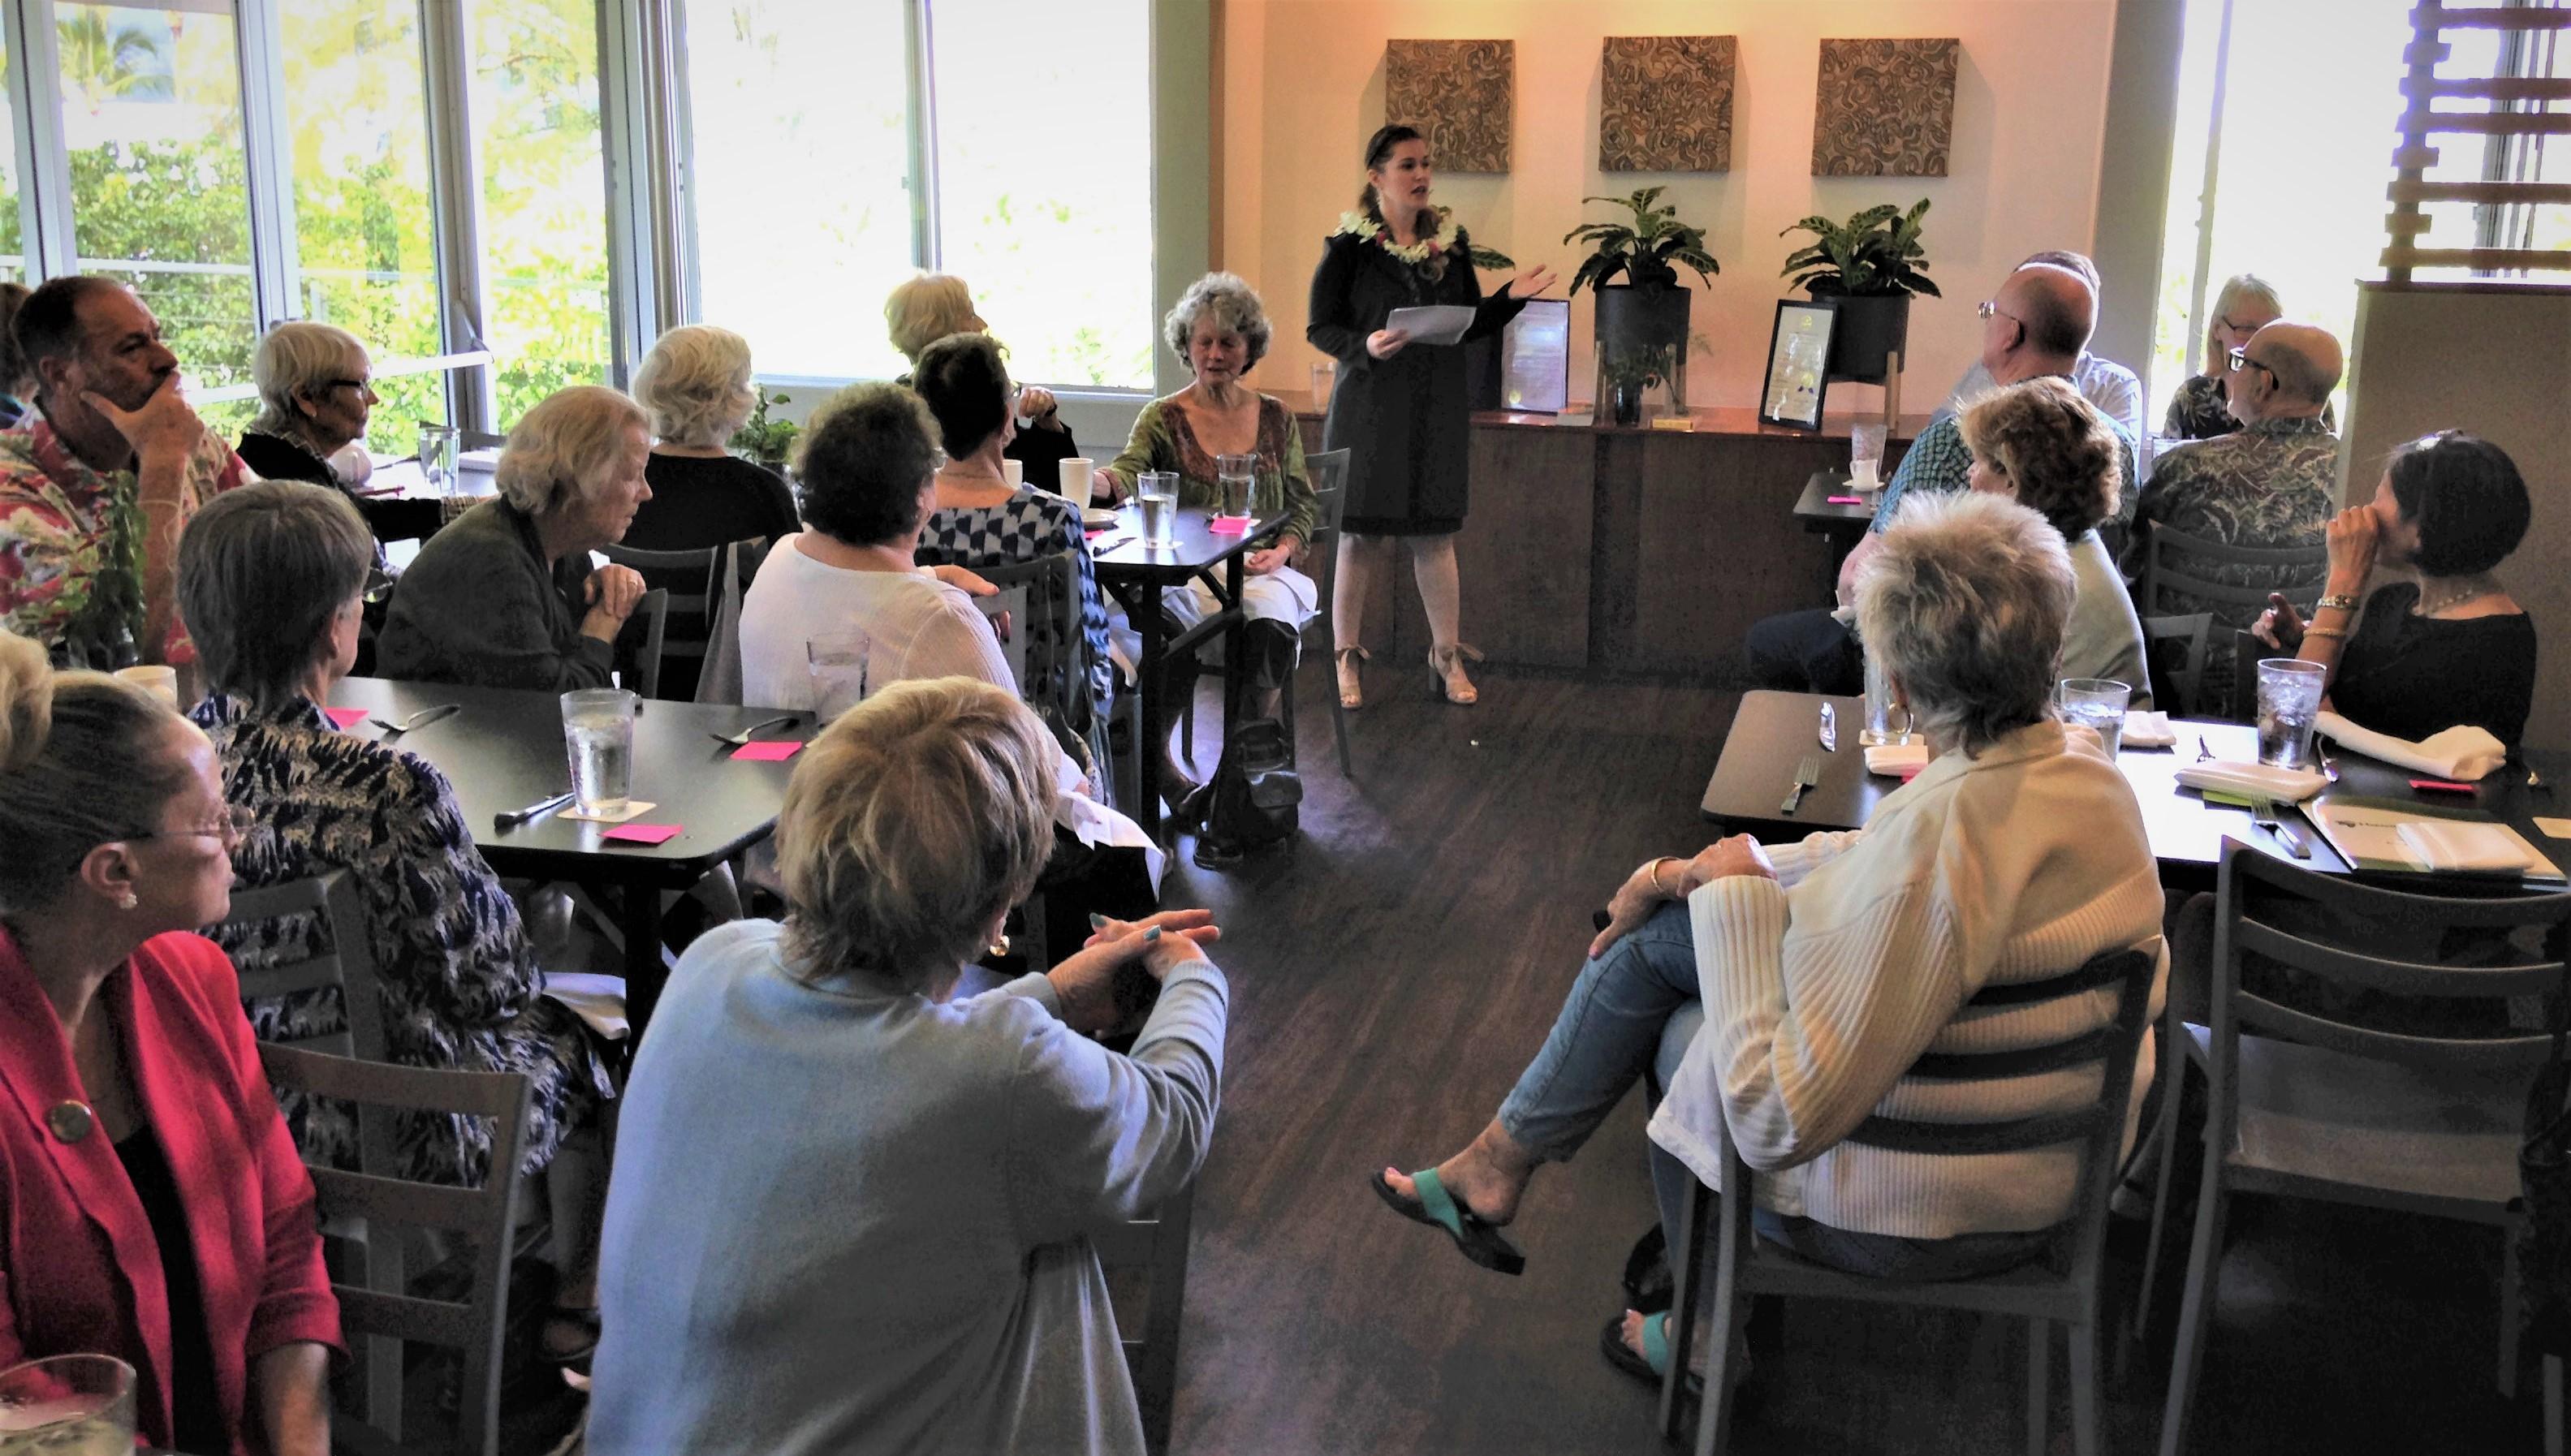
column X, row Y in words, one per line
column 80, row 763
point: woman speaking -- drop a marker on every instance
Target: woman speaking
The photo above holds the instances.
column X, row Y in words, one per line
column 1401, row 410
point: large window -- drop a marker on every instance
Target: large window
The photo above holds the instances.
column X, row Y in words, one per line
column 840, row 145
column 544, row 193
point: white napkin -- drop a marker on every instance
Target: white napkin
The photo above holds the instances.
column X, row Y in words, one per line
column 1896, row 761
column 2147, row 729
column 598, row 1000
column 2462, row 753
column 2458, row 844
column 2252, row 781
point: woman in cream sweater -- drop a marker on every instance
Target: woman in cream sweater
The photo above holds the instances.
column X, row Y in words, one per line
column 1791, row 989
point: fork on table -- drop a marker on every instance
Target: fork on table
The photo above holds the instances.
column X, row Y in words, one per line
column 741, row 740
column 1806, row 775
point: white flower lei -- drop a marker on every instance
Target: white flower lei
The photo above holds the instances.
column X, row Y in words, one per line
column 1362, row 226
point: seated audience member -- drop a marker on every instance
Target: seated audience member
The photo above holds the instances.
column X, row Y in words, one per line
column 898, row 1260
column 270, row 580
column 1219, row 327
column 2043, row 445
column 2038, row 327
column 2271, row 484
column 17, row 386
column 315, row 393
column 697, row 384
column 1827, row 967
column 983, row 519
column 931, row 307
column 2200, row 410
column 156, row 1210
column 505, row 596
column 93, row 583
column 2447, row 646
column 2115, row 389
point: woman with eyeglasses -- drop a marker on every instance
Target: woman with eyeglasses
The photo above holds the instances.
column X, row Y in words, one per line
column 315, row 394
column 155, row 1206
column 271, row 586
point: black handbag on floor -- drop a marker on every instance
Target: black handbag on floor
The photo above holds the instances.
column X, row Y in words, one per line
column 1255, row 798
column 2543, row 1239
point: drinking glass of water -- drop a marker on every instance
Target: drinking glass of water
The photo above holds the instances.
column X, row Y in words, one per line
column 439, row 447
column 2290, row 700
column 1158, row 490
column 69, row 1405
column 1866, row 456
column 836, row 665
column 2097, row 702
column 1237, row 475
column 1880, row 709
column 598, row 734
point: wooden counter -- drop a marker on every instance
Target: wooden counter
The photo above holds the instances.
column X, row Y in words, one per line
column 1619, row 550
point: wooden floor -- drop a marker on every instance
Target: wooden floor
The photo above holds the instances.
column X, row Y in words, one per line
column 1391, row 972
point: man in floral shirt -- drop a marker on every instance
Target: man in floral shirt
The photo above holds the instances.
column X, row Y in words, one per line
column 95, row 493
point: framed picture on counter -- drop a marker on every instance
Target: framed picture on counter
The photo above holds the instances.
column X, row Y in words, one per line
column 1798, row 357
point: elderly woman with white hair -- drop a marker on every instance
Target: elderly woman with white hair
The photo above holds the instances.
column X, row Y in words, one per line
column 926, row 307
column 697, row 384
column 899, row 1258
column 1789, row 989
column 315, row 394
column 505, row 596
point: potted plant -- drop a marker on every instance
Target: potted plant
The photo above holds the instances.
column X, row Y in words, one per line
column 1649, row 311
column 1869, row 266
column 1630, row 375
column 763, row 440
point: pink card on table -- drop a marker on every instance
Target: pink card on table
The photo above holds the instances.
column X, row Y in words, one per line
column 768, row 753
column 1847, row 500
column 1231, row 525
column 643, row 834
column 346, row 717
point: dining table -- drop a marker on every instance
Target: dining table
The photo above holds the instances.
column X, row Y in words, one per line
column 1773, row 733
column 1136, row 572
column 503, row 751
column 1837, row 512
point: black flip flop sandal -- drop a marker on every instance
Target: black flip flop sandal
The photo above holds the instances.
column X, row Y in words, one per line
column 1480, row 1241
column 1611, row 1343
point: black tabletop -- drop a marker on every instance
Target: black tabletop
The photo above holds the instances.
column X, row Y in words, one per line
column 1774, row 731
column 505, row 752
column 1194, row 545
column 1815, row 510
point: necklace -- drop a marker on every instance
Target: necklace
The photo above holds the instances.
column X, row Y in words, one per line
column 2465, row 589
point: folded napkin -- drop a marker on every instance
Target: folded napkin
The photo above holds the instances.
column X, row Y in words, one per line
column 1896, row 761
column 2147, row 729
column 2252, row 781
column 598, row 1000
column 2462, row 753
column 2458, row 844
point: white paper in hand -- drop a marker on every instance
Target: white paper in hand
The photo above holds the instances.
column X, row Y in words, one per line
column 1433, row 322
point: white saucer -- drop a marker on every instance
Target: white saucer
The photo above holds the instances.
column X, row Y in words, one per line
column 1098, row 517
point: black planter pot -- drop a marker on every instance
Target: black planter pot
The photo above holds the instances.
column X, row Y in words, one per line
column 1635, row 320
column 1867, row 331
column 1625, row 403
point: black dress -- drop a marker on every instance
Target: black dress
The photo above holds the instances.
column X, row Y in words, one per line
column 1404, row 419
column 2412, row 675
column 276, row 457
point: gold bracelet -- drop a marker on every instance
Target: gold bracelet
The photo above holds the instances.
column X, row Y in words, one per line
column 2334, row 632
column 2335, row 604
column 1662, row 890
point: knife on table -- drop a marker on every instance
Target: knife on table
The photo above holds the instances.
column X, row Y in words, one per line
column 1830, row 727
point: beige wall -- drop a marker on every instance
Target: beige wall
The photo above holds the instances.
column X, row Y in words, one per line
column 1302, row 86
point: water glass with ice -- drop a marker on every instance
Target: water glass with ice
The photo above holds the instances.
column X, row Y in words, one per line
column 597, row 735
column 439, row 447
column 2290, row 702
column 836, row 665
column 1880, row 711
column 1237, row 475
column 1158, row 490
column 69, row 1405
column 1325, row 375
column 1866, row 456
column 2098, row 704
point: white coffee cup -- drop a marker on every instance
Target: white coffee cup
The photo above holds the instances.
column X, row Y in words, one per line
column 1075, row 479
column 1016, row 471
column 162, row 683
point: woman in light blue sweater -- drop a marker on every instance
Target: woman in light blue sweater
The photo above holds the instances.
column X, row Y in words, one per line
column 850, row 1215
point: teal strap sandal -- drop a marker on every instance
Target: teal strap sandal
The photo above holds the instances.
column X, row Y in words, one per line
column 1480, row 1241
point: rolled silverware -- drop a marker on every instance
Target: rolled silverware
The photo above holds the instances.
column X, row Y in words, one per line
column 514, row 817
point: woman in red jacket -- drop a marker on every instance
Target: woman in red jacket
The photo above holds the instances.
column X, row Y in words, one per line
column 156, row 1210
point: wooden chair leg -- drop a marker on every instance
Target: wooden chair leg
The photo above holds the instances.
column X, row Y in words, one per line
column 2164, row 1137
column 2195, row 1310
column 1721, row 1379
column 2508, row 1312
column 1156, row 1382
column 2084, row 1388
column 2552, row 1405
column 1686, row 1256
column 2039, row 1377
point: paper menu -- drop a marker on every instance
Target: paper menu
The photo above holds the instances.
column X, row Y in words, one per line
column 1442, row 324
column 2369, row 834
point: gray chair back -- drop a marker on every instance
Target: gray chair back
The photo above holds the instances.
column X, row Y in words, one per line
column 2173, row 655
column 481, row 1217
column 1328, row 471
column 654, row 612
column 1050, row 653
column 1157, row 1247
column 693, row 587
column 348, row 963
column 2178, row 572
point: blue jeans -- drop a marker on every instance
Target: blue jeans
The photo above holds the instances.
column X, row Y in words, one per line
column 1634, row 1011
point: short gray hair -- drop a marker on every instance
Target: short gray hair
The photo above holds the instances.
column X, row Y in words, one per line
column 263, row 571
column 912, row 822
column 297, row 357
column 696, row 383
column 1236, row 307
column 565, row 447
column 1965, row 603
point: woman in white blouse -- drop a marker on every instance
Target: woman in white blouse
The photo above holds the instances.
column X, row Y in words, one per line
column 1788, row 990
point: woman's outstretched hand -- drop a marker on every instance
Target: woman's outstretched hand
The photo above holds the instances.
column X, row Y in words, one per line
column 1531, row 280
column 1156, row 944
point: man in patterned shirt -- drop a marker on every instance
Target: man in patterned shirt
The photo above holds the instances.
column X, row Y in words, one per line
column 2273, row 484
column 2037, row 325
column 95, row 493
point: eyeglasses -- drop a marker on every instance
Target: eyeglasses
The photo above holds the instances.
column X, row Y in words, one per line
column 378, row 587
column 236, row 824
column 2241, row 360
column 1989, row 310
column 360, row 385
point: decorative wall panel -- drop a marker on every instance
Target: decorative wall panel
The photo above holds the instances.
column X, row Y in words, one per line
column 1887, row 108
column 1461, row 94
column 1665, row 103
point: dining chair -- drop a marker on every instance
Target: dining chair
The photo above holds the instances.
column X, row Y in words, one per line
column 386, row 1305
column 2184, row 574
column 2304, row 1104
column 654, row 612
column 2060, row 1288
column 2177, row 677
column 1055, row 677
column 1156, row 1245
column 345, row 962
column 694, row 583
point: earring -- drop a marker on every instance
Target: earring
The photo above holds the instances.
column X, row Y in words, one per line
column 999, row 947
column 126, row 901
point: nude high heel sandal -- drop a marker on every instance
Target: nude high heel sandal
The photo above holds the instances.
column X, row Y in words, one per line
column 1351, row 690
column 1446, row 675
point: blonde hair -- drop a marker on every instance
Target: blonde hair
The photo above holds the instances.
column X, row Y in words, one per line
column 696, row 383
column 80, row 763
column 1965, row 605
column 910, row 824
column 2057, row 451
column 565, row 447
column 926, row 308
column 297, row 357
column 2234, row 289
